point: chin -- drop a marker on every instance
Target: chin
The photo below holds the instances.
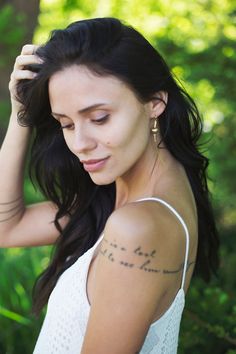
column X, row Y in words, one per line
column 101, row 180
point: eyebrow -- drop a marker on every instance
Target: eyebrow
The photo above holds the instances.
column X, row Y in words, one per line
column 84, row 110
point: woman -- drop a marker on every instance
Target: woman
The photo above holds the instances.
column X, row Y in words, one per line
column 115, row 153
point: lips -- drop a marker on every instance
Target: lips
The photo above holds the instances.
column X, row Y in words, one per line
column 94, row 165
column 90, row 162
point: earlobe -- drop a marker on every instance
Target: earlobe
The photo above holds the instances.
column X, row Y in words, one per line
column 158, row 103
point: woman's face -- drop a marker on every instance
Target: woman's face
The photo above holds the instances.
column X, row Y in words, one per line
column 103, row 123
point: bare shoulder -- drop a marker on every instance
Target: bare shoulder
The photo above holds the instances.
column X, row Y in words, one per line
column 149, row 225
column 138, row 273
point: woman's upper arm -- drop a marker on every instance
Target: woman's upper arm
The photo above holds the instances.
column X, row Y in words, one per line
column 129, row 282
column 35, row 227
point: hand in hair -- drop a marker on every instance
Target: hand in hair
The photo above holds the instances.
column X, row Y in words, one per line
column 21, row 71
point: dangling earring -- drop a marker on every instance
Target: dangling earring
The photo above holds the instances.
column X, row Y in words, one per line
column 155, row 129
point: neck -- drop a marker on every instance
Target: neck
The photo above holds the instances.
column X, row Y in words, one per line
column 141, row 180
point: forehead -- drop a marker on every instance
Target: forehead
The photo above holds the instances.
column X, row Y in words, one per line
column 83, row 85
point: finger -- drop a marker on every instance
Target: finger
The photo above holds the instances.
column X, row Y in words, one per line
column 23, row 60
column 28, row 49
column 22, row 74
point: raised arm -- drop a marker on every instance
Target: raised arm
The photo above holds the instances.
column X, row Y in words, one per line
column 21, row 225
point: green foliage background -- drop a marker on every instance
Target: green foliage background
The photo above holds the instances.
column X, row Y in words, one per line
column 198, row 40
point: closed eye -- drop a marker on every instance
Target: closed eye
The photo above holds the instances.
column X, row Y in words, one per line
column 67, row 126
column 101, row 120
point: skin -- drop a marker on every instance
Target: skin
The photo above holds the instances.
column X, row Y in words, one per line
column 143, row 244
column 136, row 270
column 124, row 136
column 30, row 225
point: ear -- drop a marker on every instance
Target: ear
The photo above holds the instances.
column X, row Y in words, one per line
column 158, row 103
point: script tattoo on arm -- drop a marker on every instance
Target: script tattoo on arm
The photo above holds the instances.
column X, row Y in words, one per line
column 116, row 253
column 174, row 271
column 9, row 210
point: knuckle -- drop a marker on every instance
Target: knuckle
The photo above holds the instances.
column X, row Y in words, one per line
column 26, row 48
column 18, row 59
column 11, row 86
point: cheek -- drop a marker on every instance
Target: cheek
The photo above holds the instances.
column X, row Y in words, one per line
column 116, row 138
column 68, row 141
column 128, row 133
column 117, row 142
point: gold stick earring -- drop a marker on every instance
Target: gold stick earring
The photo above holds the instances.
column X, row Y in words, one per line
column 155, row 129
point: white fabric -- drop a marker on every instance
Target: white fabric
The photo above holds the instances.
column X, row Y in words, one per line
column 68, row 309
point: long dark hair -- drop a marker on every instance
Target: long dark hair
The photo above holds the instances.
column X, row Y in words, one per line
column 107, row 47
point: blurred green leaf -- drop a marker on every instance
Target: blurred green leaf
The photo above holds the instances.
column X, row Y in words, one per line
column 14, row 316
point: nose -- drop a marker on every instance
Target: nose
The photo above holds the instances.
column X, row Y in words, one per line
column 83, row 141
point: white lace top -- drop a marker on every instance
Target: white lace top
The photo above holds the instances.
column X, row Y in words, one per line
column 68, row 309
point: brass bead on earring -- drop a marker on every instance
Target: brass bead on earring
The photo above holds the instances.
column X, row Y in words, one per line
column 155, row 129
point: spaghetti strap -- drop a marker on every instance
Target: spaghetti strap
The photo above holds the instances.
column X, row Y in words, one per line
column 185, row 229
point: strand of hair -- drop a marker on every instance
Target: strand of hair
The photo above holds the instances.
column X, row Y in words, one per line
column 12, row 209
column 12, row 216
column 12, row 201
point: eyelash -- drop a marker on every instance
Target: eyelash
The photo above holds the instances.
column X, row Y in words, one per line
column 68, row 126
column 101, row 120
column 96, row 121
